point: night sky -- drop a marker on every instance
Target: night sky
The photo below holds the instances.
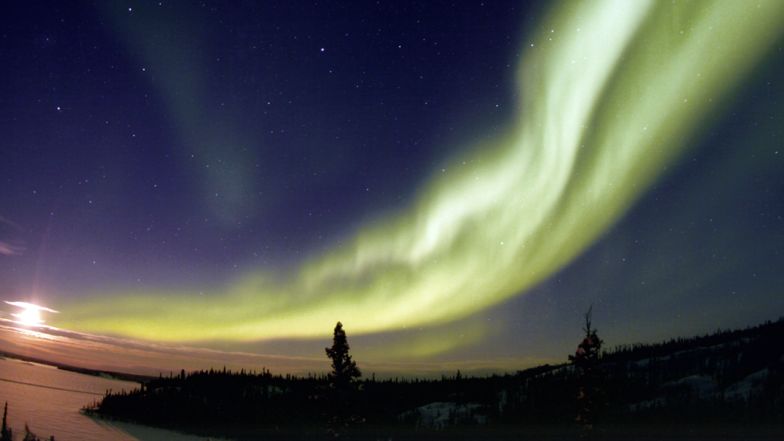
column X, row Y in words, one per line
column 456, row 181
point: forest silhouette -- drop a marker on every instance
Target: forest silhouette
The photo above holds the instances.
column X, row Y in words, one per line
column 731, row 378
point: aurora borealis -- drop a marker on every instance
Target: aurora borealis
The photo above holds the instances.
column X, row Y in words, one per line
column 608, row 103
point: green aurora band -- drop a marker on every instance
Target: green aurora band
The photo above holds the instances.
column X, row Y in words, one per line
column 612, row 92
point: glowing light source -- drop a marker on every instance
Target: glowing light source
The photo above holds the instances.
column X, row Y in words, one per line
column 29, row 314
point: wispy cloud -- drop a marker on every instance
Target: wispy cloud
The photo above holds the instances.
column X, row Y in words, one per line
column 10, row 249
column 26, row 305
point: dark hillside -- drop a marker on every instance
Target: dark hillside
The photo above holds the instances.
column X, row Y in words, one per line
column 728, row 377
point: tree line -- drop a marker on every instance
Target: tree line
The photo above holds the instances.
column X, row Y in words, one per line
column 664, row 382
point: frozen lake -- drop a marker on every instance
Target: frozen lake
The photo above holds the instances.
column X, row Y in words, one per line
column 48, row 400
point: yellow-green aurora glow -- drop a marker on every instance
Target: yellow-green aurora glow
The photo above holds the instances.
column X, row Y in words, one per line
column 610, row 93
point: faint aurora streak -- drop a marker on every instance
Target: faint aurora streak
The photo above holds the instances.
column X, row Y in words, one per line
column 611, row 93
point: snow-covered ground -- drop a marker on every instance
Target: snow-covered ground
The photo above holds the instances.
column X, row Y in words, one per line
column 744, row 388
column 441, row 414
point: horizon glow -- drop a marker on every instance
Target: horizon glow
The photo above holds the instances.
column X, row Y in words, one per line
column 611, row 93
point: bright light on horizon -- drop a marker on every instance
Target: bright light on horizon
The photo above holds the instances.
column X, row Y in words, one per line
column 30, row 317
column 30, row 313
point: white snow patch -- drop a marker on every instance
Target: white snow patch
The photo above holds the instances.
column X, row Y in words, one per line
column 440, row 414
column 703, row 385
column 743, row 389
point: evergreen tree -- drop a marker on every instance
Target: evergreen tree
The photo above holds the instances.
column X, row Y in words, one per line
column 586, row 359
column 5, row 431
column 344, row 369
column 29, row 436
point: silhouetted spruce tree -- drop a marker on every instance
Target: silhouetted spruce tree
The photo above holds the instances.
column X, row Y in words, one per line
column 5, row 431
column 586, row 360
column 29, row 436
column 344, row 369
